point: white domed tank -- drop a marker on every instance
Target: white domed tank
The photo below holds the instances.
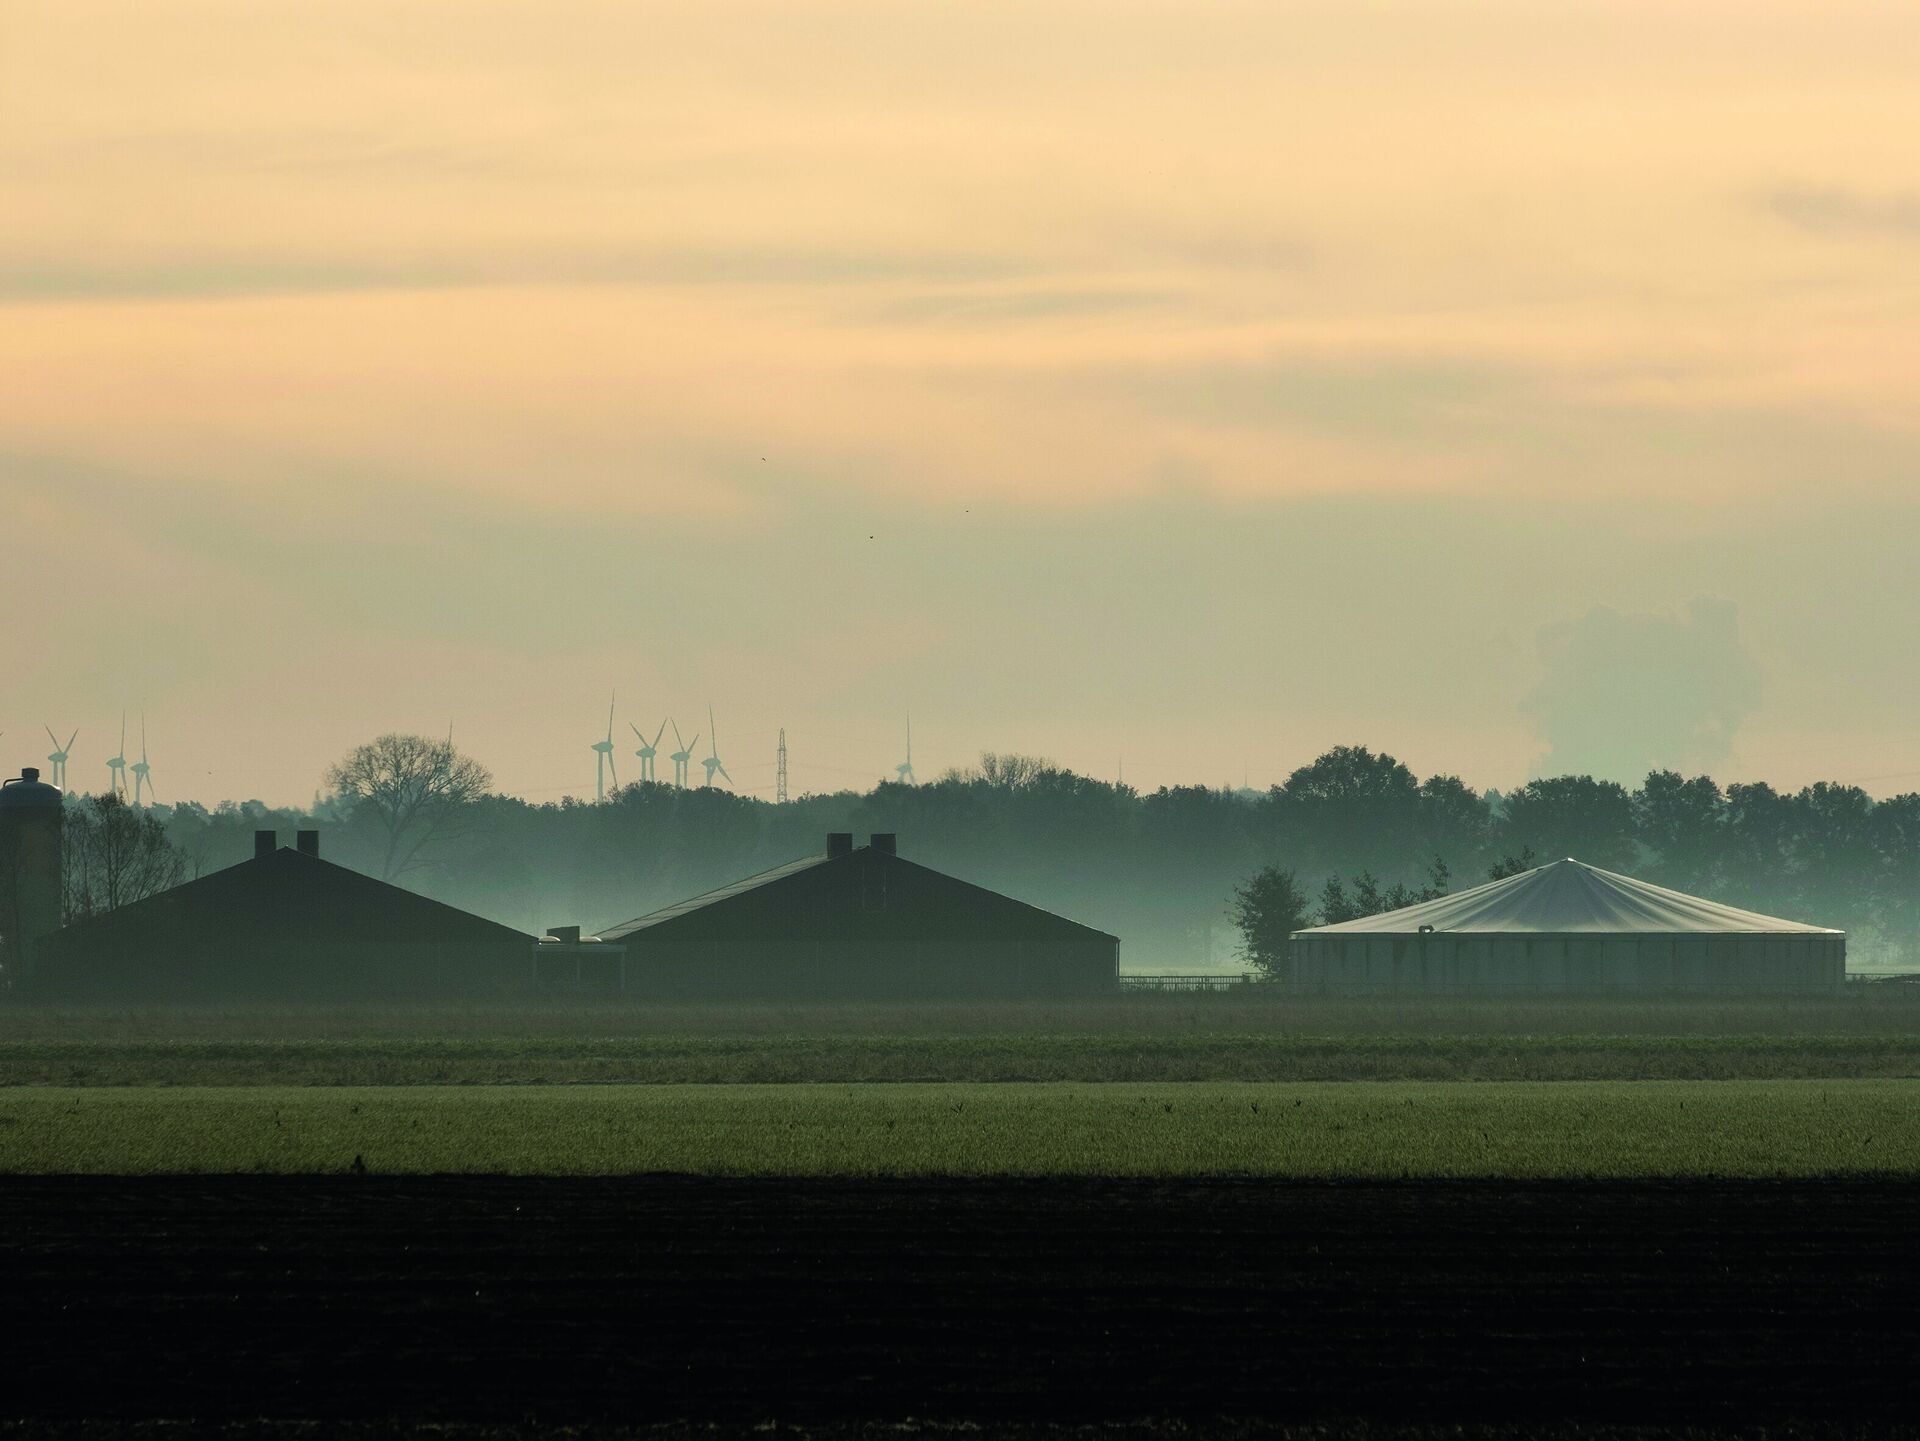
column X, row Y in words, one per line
column 31, row 817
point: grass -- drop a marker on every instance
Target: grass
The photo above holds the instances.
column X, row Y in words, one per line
column 1147, row 1038
column 1877, row 1010
column 1425, row 1130
column 694, row 1059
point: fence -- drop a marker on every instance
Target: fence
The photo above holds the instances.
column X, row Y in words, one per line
column 1186, row 983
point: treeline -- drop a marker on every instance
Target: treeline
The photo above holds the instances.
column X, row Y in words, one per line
column 1158, row 869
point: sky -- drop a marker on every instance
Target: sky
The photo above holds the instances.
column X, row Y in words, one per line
column 1181, row 387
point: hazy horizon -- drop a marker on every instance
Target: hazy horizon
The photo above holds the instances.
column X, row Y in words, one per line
column 1188, row 387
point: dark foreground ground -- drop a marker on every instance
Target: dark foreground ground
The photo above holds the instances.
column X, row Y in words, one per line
column 511, row 1306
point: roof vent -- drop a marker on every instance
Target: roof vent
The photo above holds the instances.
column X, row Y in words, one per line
column 839, row 843
column 566, row 935
column 265, row 843
column 885, row 842
column 307, row 843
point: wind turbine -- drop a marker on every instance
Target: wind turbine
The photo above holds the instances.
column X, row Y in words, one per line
column 648, row 749
column 712, row 762
column 904, row 772
column 603, row 765
column 683, row 755
column 140, row 768
column 117, row 764
column 58, row 760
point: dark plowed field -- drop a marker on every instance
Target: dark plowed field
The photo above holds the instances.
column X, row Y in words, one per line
column 495, row 1300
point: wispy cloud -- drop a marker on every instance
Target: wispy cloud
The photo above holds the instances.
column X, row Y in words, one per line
column 977, row 306
column 1828, row 209
column 215, row 274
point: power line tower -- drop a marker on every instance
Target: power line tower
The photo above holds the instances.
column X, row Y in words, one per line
column 780, row 771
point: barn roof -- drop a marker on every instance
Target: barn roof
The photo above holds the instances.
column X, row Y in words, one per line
column 808, row 885
column 713, row 897
column 286, row 892
column 1570, row 898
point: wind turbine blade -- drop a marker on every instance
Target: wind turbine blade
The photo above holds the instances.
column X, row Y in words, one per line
column 676, row 736
column 52, row 737
column 611, row 698
column 642, row 735
column 723, row 772
column 614, row 770
column 68, row 747
column 656, row 739
column 692, row 743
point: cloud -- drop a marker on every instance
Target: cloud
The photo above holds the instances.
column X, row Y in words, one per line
column 1828, row 210
column 1011, row 306
column 1625, row 694
column 217, row 274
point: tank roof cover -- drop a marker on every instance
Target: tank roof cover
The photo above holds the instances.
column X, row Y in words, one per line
column 1569, row 898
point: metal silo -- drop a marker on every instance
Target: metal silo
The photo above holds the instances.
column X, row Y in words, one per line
column 31, row 817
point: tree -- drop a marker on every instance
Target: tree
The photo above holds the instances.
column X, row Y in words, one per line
column 113, row 855
column 420, row 792
column 1454, row 819
column 1683, row 823
column 1349, row 807
column 1368, row 899
column 1268, row 909
column 1509, row 866
column 1574, row 816
column 1011, row 772
column 1439, row 882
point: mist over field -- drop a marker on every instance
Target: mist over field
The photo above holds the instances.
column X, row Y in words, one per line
column 1158, row 868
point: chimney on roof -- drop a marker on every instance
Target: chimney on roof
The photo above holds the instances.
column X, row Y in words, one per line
column 265, row 843
column 307, row 843
column 839, row 843
column 885, row 842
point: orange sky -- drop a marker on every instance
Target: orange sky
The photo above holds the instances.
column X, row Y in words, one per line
column 376, row 364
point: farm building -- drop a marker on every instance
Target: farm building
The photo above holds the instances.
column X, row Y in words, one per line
column 1569, row 927
column 859, row 922
column 284, row 926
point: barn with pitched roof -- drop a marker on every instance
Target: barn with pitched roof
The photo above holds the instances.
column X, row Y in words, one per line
column 285, row 926
column 1569, row 927
column 861, row 921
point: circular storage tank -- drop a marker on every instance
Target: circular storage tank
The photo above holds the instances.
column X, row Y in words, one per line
column 31, row 817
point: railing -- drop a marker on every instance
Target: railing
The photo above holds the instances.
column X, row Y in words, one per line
column 1186, row 983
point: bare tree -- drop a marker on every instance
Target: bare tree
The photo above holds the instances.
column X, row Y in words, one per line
column 113, row 855
column 421, row 791
column 1012, row 771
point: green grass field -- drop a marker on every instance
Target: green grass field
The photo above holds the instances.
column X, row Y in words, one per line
column 1876, row 1010
column 1364, row 1129
column 862, row 1059
column 1874, row 1034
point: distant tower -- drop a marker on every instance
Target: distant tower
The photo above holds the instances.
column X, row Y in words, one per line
column 59, row 757
column 142, row 772
column 904, row 772
column 780, row 770
column 603, row 759
column 682, row 757
column 117, row 765
column 712, row 762
column 648, row 749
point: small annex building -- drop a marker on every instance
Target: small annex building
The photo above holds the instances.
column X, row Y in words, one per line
column 860, row 922
column 285, row 926
column 1568, row 927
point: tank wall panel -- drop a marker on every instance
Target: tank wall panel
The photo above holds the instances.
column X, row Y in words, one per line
column 1504, row 964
